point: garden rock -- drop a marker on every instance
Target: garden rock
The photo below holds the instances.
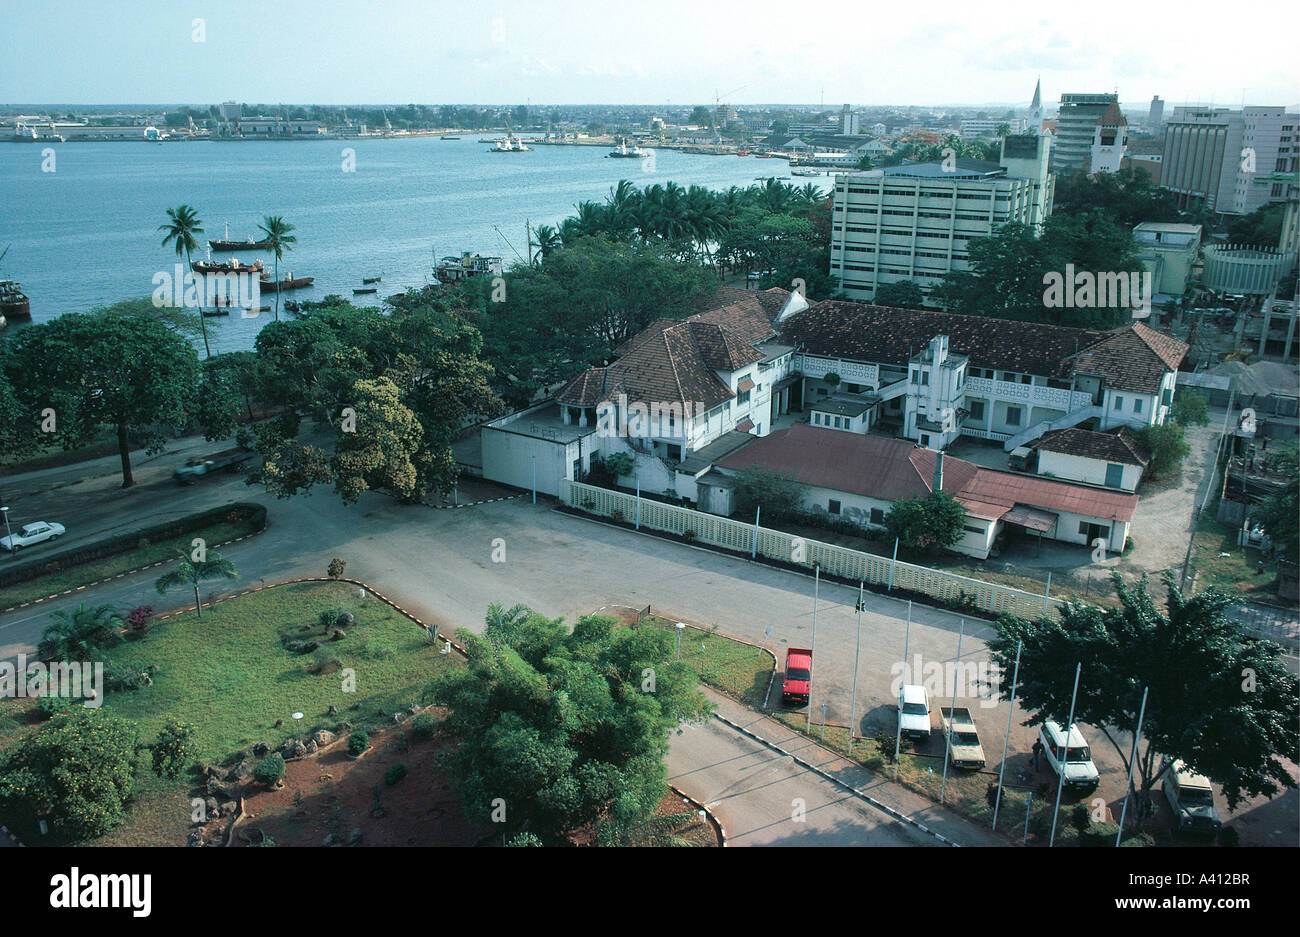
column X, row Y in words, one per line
column 293, row 748
column 261, row 749
column 323, row 737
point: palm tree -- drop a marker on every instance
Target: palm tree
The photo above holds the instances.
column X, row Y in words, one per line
column 501, row 623
column 77, row 635
column 546, row 240
column 192, row 572
column 183, row 223
column 277, row 233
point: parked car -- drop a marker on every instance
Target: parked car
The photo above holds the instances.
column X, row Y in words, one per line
column 1069, row 759
column 796, row 688
column 914, row 712
column 36, row 532
column 964, row 748
column 1192, row 800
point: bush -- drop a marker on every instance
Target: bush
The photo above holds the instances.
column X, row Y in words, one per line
column 524, row 839
column 688, row 535
column 394, row 774
column 270, row 770
column 330, row 618
column 119, row 677
column 616, row 516
column 425, row 726
column 1080, row 817
column 376, row 650
column 336, row 567
column 50, row 706
column 358, row 742
column 323, row 661
column 140, row 619
column 1099, row 834
column 173, row 748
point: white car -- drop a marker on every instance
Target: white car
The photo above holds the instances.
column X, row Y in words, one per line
column 36, row 532
column 1068, row 757
column 914, row 712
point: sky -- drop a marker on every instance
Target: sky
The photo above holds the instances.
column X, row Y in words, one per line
column 936, row 52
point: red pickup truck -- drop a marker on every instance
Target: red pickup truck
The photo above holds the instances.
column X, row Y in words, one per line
column 797, row 685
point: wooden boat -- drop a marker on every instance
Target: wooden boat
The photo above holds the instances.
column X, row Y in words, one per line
column 371, row 279
column 365, row 289
column 247, row 245
column 13, row 303
column 290, row 282
column 226, row 266
column 213, row 313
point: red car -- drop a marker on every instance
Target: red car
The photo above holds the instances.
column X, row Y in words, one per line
column 797, row 685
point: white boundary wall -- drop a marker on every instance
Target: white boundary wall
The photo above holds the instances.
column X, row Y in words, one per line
column 775, row 544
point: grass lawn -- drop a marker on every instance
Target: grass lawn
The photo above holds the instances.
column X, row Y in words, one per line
column 1234, row 572
column 740, row 670
column 230, row 676
column 95, row 570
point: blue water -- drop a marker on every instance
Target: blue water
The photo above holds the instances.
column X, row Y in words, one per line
column 87, row 234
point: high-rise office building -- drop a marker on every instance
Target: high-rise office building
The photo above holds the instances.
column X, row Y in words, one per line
column 1156, row 115
column 1235, row 161
column 1077, row 128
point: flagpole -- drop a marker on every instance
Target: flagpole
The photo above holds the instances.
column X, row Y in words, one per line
column 947, row 747
column 817, row 582
column 898, row 734
column 1060, row 770
column 1132, row 762
column 1007, row 738
column 857, row 651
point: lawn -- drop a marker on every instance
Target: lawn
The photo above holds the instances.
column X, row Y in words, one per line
column 740, row 670
column 80, row 575
column 230, row 676
column 1234, row 572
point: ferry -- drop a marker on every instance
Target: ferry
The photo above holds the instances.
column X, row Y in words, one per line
column 510, row 144
column 623, row 151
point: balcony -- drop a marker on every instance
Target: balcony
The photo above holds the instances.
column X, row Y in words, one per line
column 1057, row 398
column 850, row 372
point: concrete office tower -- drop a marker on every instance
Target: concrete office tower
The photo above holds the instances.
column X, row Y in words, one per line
column 849, row 121
column 1236, row 161
column 1076, row 129
column 1156, row 115
column 916, row 222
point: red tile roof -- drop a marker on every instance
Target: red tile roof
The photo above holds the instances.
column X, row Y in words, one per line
column 1109, row 447
column 1010, row 488
column 1133, row 358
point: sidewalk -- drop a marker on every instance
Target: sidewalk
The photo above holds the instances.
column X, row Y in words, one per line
column 897, row 798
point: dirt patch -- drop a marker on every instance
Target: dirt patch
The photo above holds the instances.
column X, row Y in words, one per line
column 333, row 794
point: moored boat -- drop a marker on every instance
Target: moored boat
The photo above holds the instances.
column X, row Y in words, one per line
column 290, row 282
column 371, row 279
column 365, row 289
column 228, row 245
column 13, row 302
column 226, row 266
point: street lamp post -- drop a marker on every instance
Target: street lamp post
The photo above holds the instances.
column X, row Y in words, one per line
column 9, row 533
column 681, row 626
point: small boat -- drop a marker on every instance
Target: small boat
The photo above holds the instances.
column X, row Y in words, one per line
column 371, row 279
column 290, row 282
column 292, row 305
column 229, row 245
column 510, row 144
column 805, row 172
column 13, row 303
column 365, row 289
column 623, row 151
column 226, row 266
column 451, row 137
column 213, row 313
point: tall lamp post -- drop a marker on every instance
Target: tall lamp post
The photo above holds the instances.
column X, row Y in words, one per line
column 681, row 626
column 9, row 533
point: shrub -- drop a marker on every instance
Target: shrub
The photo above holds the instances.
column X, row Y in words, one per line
column 425, row 726
column 330, row 618
column 336, row 567
column 376, row 650
column 1128, row 546
column 688, row 535
column 52, row 705
column 173, row 748
column 524, row 839
column 119, row 677
column 616, row 516
column 394, row 774
column 1080, row 817
column 270, row 770
column 140, row 619
column 358, row 742
column 1099, row 834
column 323, row 661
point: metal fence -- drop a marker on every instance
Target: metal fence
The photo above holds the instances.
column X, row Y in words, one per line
column 853, row 565
column 1275, row 624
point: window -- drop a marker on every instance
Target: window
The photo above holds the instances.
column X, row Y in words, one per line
column 1119, row 403
column 833, row 506
column 817, row 419
column 877, row 516
column 742, row 397
column 977, row 409
column 1167, row 397
column 1137, row 404
column 925, row 440
column 1114, row 475
column 973, row 530
column 1013, row 416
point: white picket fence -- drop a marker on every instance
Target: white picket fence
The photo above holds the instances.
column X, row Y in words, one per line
column 853, row 565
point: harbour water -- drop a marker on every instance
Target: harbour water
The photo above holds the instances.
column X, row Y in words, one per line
column 86, row 234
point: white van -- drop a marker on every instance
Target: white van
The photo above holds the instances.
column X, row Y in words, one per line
column 914, row 712
column 1071, row 760
column 1192, row 800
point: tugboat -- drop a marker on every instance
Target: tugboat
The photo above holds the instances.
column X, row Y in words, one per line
column 510, row 144
column 13, row 302
column 623, row 151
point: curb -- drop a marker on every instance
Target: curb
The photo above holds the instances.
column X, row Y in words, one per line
column 127, row 572
column 884, row 808
column 714, row 822
column 468, row 504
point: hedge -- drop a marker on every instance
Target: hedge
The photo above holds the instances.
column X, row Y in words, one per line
column 46, row 563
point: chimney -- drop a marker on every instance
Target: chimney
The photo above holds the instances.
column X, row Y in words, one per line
column 937, row 484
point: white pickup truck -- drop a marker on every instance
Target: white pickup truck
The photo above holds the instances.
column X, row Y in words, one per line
column 964, row 748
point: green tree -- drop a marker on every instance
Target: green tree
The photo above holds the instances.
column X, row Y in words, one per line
column 278, row 234
column 925, row 523
column 1190, row 409
column 182, row 225
column 777, row 493
column 384, row 449
column 1260, row 228
column 905, row 294
column 1167, row 446
column 568, row 730
column 191, row 572
column 1222, row 702
column 76, row 772
column 173, row 749
column 80, row 633
column 92, row 370
column 1277, row 513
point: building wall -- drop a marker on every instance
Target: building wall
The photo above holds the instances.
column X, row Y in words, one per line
column 1076, row 123
column 508, row 458
column 1081, row 469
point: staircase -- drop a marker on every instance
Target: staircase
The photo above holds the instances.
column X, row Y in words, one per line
column 1046, row 426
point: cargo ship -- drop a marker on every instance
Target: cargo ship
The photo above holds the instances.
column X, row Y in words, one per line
column 229, row 245
column 226, row 266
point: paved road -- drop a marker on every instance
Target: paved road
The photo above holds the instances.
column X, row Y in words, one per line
column 440, row 565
